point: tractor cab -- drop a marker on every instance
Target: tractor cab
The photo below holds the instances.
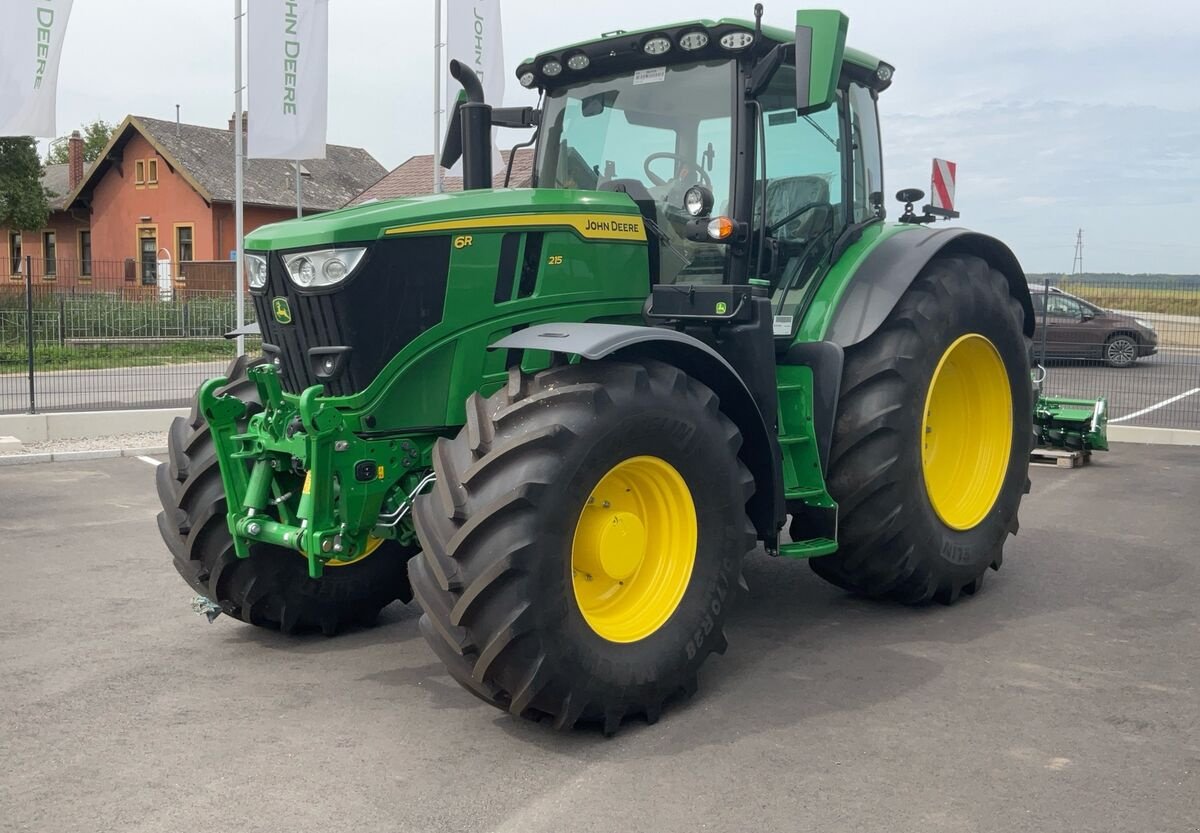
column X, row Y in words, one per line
column 745, row 166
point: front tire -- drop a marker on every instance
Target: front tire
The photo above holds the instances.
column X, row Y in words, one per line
column 563, row 495
column 932, row 438
column 272, row 587
column 1120, row 351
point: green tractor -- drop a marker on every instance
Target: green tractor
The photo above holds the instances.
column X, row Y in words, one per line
column 561, row 416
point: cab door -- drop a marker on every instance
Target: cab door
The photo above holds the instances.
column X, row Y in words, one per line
column 805, row 193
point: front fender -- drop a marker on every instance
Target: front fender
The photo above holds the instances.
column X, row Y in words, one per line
column 875, row 288
column 619, row 341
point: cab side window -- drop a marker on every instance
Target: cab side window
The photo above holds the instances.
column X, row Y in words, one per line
column 868, row 157
column 1067, row 307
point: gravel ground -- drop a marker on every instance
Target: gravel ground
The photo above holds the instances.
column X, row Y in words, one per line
column 144, row 439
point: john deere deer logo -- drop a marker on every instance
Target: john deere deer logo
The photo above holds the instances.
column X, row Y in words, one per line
column 282, row 310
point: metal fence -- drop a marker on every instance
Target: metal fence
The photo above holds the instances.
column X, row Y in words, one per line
column 111, row 335
column 1135, row 341
column 102, row 335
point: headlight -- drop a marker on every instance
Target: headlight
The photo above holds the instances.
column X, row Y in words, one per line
column 736, row 40
column 698, row 201
column 1145, row 324
column 323, row 267
column 255, row 267
column 657, row 46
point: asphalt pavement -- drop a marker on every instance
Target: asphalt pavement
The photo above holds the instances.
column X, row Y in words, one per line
column 155, row 386
column 1160, row 391
column 1061, row 698
column 1137, row 395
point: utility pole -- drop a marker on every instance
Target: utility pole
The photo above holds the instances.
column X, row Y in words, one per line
column 1077, row 264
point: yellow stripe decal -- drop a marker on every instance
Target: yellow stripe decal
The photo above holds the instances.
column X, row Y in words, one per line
column 590, row 226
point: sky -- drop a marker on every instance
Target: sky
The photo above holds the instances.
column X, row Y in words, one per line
column 1061, row 114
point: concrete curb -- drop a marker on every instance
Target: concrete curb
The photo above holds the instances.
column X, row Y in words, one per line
column 1152, row 436
column 76, row 456
column 34, row 428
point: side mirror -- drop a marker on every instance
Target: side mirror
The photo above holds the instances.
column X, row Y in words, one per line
column 820, row 46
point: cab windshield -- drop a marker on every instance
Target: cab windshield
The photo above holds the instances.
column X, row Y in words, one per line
column 654, row 133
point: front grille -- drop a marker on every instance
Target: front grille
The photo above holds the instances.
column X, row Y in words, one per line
column 397, row 293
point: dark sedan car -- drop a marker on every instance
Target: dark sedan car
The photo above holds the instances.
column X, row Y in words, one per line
column 1076, row 329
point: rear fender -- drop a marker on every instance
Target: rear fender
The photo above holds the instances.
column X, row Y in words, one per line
column 618, row 341
column 888, row 271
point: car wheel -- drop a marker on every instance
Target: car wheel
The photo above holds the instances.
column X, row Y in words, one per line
column 1120, row 351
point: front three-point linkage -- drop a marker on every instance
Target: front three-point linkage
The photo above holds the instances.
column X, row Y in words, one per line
column 353, row 492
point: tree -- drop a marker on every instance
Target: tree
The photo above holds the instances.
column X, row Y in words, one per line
column 95, row 137
column 23, row 205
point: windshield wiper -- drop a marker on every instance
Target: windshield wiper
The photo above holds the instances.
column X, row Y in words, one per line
column 821, row 130
column 666, row 241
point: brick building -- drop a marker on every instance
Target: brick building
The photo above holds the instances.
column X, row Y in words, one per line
column 65, row 232
column 415, row 177
column 162, row 190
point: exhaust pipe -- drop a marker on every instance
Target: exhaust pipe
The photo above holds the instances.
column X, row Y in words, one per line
column 476, row 126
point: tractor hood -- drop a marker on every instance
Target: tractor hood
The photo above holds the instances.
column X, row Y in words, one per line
column 455, row 211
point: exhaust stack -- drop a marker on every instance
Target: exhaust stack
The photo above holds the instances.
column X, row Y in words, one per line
column 474, row 131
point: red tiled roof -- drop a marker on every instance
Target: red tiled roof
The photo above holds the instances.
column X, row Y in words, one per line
column 415, row 177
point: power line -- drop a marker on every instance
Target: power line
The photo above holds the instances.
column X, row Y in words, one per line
column 1077, row 264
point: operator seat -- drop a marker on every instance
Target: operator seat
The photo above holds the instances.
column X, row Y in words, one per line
column 787, row 193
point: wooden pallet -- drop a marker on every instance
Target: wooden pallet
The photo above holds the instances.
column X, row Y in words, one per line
column 1059, row 457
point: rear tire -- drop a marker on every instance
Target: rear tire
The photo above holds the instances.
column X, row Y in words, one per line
column 893, row 543
column 1120, row 351
column 498, row 574
column 271, row 588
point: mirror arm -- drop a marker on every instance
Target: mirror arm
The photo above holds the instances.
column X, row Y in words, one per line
column 516, row 116
column 764, row 70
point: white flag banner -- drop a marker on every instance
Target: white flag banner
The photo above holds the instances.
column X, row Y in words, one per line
column 31, row 37
column 288, row 83
column 473, row 37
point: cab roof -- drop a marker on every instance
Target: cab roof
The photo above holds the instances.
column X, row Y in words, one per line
column 618, row 50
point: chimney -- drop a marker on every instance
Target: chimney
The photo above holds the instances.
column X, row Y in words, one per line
column 75, row 160
column 245, row 121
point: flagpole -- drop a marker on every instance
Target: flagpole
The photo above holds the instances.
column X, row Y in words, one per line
column 238, row 210
column 437, row 95
column 299, row 193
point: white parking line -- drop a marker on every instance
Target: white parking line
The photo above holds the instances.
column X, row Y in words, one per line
column 1162, row 404
column 149, row 460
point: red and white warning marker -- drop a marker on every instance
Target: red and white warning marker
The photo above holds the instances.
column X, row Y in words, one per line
column 943, row 184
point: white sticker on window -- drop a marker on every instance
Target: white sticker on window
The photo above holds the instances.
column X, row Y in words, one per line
column 650, row 76
column 782, row 325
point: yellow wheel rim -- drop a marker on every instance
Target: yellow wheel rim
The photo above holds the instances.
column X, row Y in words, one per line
column 634, row 549
column 372, row 544
column 966, row 432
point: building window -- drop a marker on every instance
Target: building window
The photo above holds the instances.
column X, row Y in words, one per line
column 139, row 172
column 85, row 254
column 152, row 172
column 148, row 253
column 50, row 253
column 183, row 244
column 14, row 253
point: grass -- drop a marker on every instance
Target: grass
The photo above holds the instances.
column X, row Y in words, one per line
column 1137, row 299
column 103, row 315
column 13, row 358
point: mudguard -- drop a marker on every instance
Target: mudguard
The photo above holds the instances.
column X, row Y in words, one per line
column 759, row 441
column 888, row 271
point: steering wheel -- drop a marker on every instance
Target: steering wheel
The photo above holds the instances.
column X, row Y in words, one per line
column 705, row 180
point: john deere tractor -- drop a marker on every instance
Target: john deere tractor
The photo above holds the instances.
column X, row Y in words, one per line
column 562, row 415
